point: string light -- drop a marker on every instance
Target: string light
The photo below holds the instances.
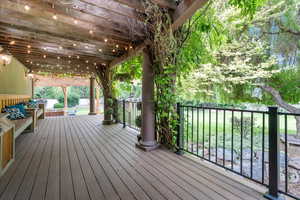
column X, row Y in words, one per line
column 28, row 51
column 28, row 46
column 60, row 47
column 86, row 47
column 130, row 47
column 54, row 17
column 113, row 50
column 78, row 57
column 91, row 32
column 117, row 46
column 87, row 61
column 69, row 56
column 27, row 8
column 58, row 57
column 44, row 56
column 100, row 50
column 74, row 45
column 12, row 42
column 105, row 40
column 75, row 21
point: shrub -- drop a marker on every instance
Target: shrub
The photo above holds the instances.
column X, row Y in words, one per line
column 109, row 111
column 58, row 105
column 73, row 100
column 138, row 121
column 110, row 102
column 237, row 125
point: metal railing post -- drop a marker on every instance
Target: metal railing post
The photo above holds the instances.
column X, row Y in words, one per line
column 124, row 114
column 274, row 155
column 179, row 130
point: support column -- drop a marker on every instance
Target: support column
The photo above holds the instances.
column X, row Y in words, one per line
column 148, row 141
column 32, row 87
column 92, row 96
column 65, row 91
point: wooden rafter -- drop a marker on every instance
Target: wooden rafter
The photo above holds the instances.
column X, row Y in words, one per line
column 183, row 12
column 104, row 32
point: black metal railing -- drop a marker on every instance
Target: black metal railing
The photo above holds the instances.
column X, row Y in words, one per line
column 129, row 112
column 246, row 142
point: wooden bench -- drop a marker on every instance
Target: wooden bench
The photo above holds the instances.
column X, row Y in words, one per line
column 7, row 143
column 29, row 123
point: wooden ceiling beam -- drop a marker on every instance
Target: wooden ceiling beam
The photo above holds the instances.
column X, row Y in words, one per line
column 185, row 10
column 67, row 51
column 82, row 12
column 129, row 54
column 42, row 20
column 116, row 8
column 44, row 42
column 25, row 31
column 137, row 4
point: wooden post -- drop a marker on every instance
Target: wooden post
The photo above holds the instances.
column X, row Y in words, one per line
column 148, row 141
column 92, row 96
column 65, row 91
column 32, row 87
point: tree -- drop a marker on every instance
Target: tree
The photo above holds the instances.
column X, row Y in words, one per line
column 244, row 60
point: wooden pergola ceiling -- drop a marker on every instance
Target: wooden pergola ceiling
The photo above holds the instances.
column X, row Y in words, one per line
column 77, row 36
column 42, row 81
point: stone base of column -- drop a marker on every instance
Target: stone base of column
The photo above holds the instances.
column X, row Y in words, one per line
column 147, row 146
column 107, row 122
column 92, row 113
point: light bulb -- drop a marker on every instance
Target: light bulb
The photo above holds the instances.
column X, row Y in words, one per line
column 26, row 7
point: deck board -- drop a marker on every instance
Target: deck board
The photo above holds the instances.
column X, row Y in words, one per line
column 77, row 158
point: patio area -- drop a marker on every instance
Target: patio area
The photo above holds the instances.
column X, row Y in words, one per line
column 79, row 158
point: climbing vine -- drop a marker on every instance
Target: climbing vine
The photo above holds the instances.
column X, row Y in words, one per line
column 165, row 46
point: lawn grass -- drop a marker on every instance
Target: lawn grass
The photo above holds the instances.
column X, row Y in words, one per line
column 211, row 128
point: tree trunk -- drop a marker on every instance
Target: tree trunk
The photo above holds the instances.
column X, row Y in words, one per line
column 97, row 100
column 290, row 108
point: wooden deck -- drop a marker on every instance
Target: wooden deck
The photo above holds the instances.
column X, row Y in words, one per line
column 78, row 158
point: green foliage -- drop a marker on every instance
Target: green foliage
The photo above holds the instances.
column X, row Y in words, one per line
column 110, row 102
column 73, row 100
column 58, row 105
column 109, row 111
column 81, row 91
column 138, row 121
column 248, row 7
column 244, row 125
column 47, row 92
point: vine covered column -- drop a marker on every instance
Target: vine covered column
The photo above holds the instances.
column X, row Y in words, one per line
column 92, row 96
column 105, row 77
column 148, row 140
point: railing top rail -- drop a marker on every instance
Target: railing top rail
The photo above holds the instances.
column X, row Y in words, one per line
column 226, row 109
column 286, row 113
